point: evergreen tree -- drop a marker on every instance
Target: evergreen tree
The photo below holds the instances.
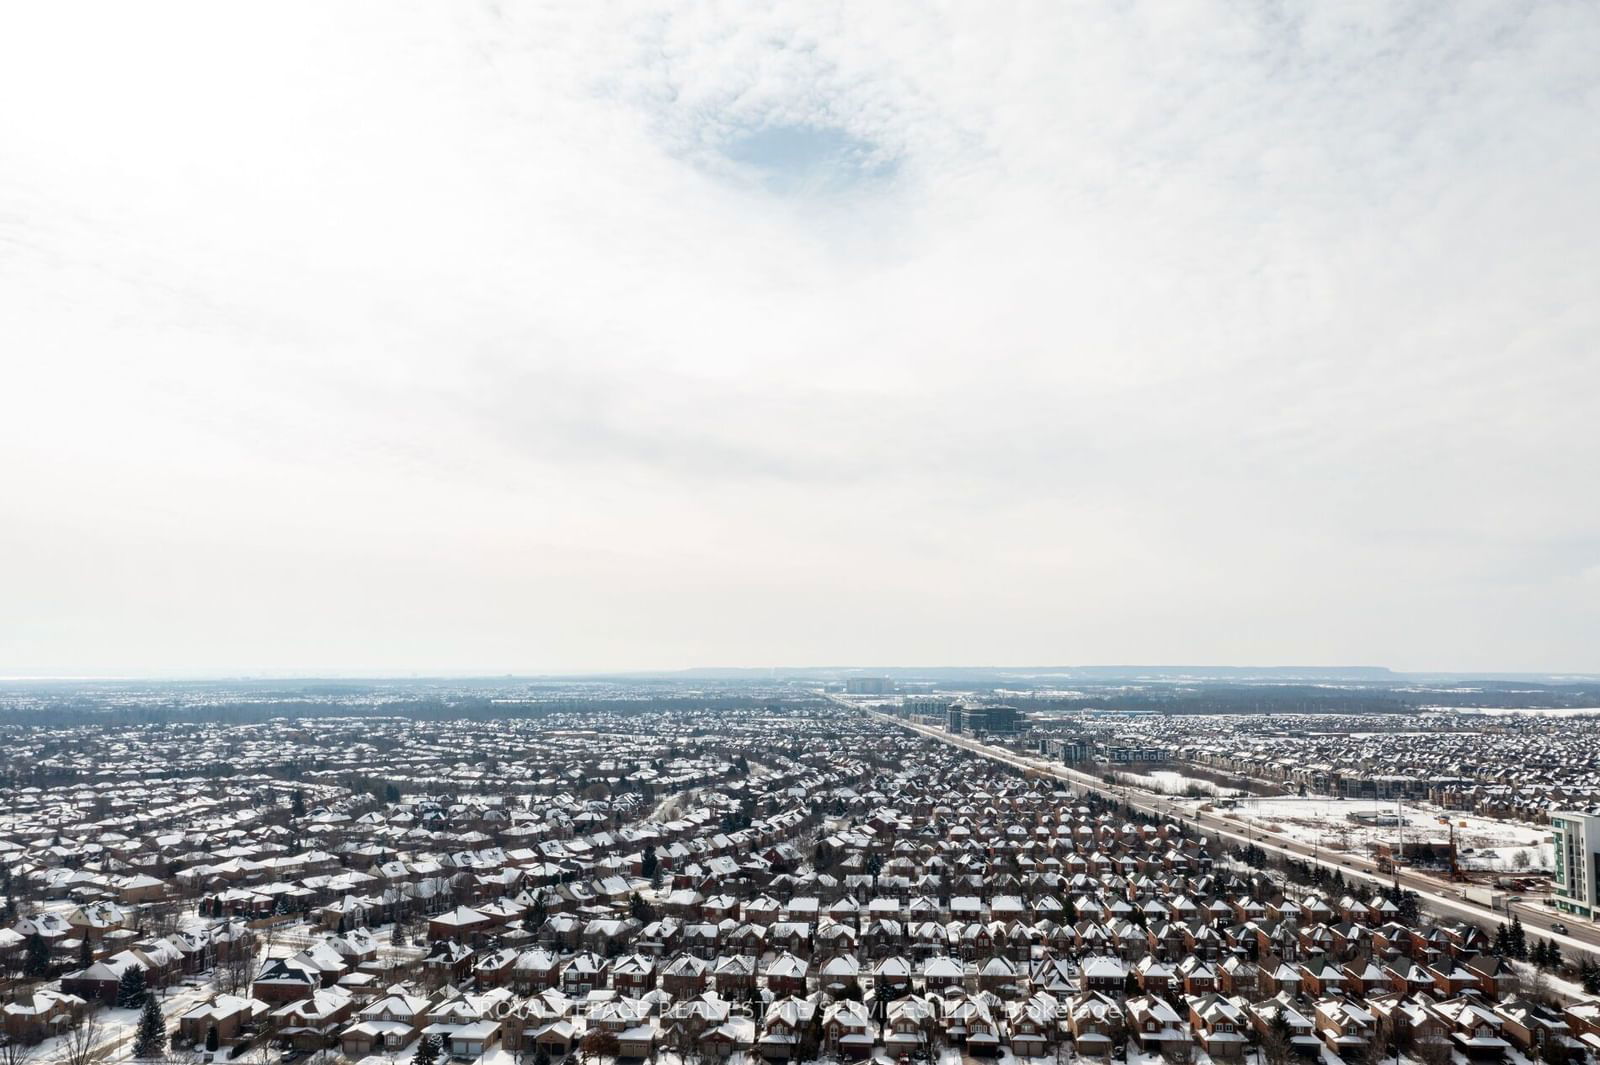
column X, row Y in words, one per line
column 131, row 991
column 297, row 804
column 427, row 1051
column 1276, row 1045
column 1552, row 954
column 212, row 1039
column 151, row 1040
column 647, row 865
column 36, row 962
column 1519, row 939
column 1538, row 956
column 1591, row 977
column 85, row 952
column 1502, row 941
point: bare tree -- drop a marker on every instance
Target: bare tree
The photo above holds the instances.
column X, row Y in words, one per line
column 164, row 917
column 15, row 1052
column 81, row 1043
column 235, row 971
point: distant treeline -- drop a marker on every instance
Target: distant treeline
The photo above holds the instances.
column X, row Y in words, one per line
column 77, row 711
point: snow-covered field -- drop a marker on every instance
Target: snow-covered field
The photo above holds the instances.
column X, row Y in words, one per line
column 1482, row 842
column 1167, row 782
column 1502, row 711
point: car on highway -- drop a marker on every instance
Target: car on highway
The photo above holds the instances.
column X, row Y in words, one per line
column 1558, row 928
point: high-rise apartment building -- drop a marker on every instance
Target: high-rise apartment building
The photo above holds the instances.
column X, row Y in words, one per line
column 1577, row 862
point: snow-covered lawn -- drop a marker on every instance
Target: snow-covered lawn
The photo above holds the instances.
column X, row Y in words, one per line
column 115, row 1028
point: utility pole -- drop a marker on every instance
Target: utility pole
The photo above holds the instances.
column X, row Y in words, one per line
column 1400, row 830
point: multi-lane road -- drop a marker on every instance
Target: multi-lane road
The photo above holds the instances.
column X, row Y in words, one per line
column 1434, row 897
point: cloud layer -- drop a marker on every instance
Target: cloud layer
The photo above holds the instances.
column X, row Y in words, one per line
column 413, row 336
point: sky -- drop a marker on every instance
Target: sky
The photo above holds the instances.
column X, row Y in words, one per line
column 490, row 336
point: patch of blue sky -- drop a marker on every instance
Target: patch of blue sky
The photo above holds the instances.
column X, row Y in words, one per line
column 808, row 159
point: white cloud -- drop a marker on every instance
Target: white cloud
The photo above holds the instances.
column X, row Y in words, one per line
column 569, row 336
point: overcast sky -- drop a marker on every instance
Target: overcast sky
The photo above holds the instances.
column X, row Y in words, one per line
column 456, row 336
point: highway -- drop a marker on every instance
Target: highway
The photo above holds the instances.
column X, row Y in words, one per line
column 1581, row 938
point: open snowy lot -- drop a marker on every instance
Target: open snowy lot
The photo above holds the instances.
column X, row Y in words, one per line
column 1483, row 843
column 1168, row 782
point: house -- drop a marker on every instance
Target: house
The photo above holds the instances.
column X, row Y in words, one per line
column 495, row 968
column 1300, row 1030
column 1474, row 1029
column 996, row 973
column 1096, row 1023
column 1105, row 974
column 99, row 982
column 1219, row 1025
column 633, row 974
column 387, row 1023
column 467, row 1025
column 94, row 920
column 847, row 1030
column 40, row 1013
column 687, row 1023
column 231, row 1016
column 1344, row 1026
column 734, row 975
column 786, row 1028
column 970, row 1023
column 1032, row 1024
column 314, row 1022
column 910, row 1025
column 1157, row 1028
column 943, row 972
column 583, row 973
column 462, row 923
column 1495, row 976
column 786, row 975
column 281, row 980
column 447, row 961
column 638, row 1042
column 1532, row 1026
